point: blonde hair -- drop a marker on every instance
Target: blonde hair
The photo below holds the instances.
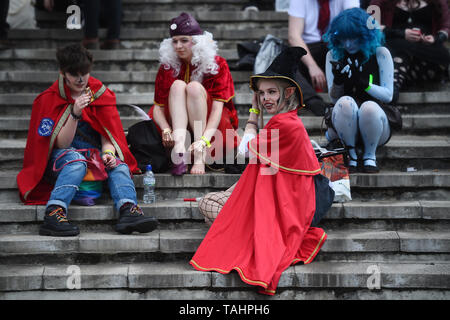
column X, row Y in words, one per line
column 290, row 103
column 203, row 59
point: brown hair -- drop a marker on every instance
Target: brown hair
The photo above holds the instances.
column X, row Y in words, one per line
column 74, row 59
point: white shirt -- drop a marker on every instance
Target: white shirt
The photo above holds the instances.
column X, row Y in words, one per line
column 309, row 10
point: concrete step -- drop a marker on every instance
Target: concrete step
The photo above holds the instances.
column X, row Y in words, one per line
column 397, row 154
column 386, row 185
column 118, row 81
column 16, row 218
column 318, row 280
column 13, row 104
column 183, row 5
column 122, row 80
column 152, row 18
column 142, row 38
column 17, row 126
column 187, row 240
column 108, row 60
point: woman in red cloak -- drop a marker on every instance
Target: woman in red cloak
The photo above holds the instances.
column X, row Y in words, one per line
column 193, row 88
column 77, row 112
column 265, row 225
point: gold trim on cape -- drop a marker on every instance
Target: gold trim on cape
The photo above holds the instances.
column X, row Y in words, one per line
column 280, row 166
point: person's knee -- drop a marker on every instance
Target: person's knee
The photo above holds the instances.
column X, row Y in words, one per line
column 195, row 90
column 370, row 110
column 346, row 106
column 122, row 168
column 78, row 159
column 178, row 86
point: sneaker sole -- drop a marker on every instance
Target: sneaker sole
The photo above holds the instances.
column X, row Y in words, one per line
column 141, row 227
column 53, row 233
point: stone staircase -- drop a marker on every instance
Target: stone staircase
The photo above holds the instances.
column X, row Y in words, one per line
column 391, row 242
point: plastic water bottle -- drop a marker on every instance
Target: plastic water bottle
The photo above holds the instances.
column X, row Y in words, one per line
column 149, row 185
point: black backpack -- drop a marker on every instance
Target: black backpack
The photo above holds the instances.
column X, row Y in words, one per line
column 146, row 146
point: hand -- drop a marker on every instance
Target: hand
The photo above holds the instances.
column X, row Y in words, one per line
column 109, row 161
column 243, row 146
column 255, row 103
column 80, row 103
column 413, row 35
column 167, row 139
column 429, row 39
column 338, row 75
column 347, row 72
column 317, row 77
column 197, row 146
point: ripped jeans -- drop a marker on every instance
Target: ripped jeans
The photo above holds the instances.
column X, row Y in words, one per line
column 67, row 180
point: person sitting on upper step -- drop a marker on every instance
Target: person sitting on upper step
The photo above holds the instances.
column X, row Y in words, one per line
column 308, row 21
column 360, row 83
column 194, row 88
column 77, row 112
column 416, row 32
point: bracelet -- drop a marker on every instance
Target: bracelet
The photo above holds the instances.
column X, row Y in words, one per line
column 253, row 110
column 253, row 122
column 208, row 143
column 167, row 130
column 109, row 151
column 74, row 115
column 370, row 83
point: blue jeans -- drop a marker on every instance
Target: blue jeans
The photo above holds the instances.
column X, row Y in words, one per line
column 67, row 180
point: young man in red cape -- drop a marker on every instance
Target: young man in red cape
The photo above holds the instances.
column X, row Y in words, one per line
column 265, row 225
column 77, row 112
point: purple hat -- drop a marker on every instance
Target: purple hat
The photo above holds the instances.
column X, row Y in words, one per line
column 184, row 25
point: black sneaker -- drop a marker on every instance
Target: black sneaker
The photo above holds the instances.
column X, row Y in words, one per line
column 132, row 219
column 56, row 224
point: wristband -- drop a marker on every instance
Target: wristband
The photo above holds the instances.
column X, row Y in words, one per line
column 74, row 116
column 208, row 143
column 370, row 83
column 108, row 151
column 253, row 110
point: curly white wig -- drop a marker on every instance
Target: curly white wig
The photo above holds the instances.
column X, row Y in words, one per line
column 203, row 56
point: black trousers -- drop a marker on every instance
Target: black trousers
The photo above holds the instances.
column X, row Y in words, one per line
column 111, row 10
column 310, row 97
column 4, row 7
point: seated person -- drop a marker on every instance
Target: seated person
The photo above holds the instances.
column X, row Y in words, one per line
column 265, row 226
column 193, row 88
column 360, row 84
column 77, row 111
column 416, row 31
column 308, row 21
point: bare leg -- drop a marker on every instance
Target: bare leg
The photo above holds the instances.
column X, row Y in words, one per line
column 197, row 110
column 178, row 114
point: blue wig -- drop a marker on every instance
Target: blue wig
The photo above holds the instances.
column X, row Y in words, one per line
column 350, row 24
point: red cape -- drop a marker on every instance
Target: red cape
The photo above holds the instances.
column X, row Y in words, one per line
column 264, row 226
column 50, row 111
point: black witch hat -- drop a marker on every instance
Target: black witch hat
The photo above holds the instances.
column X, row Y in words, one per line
column 284, row 67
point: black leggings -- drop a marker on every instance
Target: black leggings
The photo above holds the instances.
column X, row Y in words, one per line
column 411, row 71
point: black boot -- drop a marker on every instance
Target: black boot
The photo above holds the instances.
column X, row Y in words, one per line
column 56, row 223
column 132, row 219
